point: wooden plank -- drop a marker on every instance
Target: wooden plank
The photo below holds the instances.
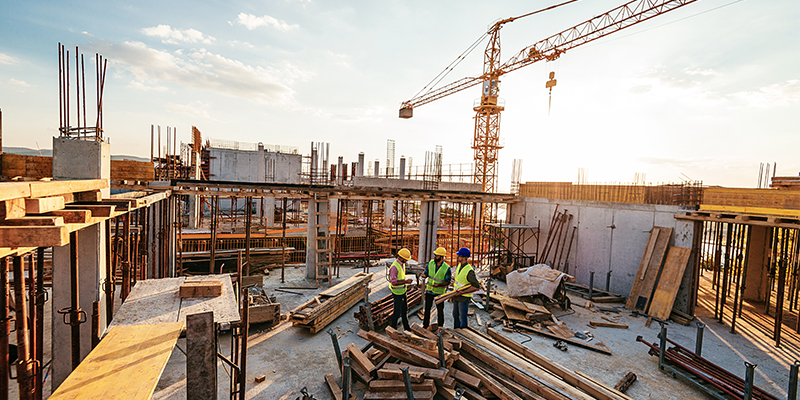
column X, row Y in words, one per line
column 13, row 190
column 396, row 374
column 516, row 367
column 210, row 288
column 333, row 386
column 670, row 282
column 402, row 351
column 44, row 204
column 438, row 375
column 603, row 386
column 465, row 378
column 225, row 307
column 555, row 368
column 72, row 216
column 13, row 208
column 515, row 387
column 645, row 284
column 55, row 188
column 342, row 286
column 97, row 211
column 495, row 387
column 410, row 339
column 426, row 385
column 360, row 358
column 607, row 324
column 127, row 364
column 151, row 301
column 34, row 236
column 33, row 221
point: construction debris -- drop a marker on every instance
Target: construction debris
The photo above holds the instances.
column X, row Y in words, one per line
column 382, row 309
column 321, row 310
column 625, row 382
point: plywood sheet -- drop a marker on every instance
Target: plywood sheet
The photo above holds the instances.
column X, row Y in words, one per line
column 649, row 269
column 152, row 301
column 670, row 282
column 127, row 364
column 225, row 307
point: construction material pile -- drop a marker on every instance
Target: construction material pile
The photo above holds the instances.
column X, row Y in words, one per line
column 328, row 305
column 381, row 309
column 460, row 363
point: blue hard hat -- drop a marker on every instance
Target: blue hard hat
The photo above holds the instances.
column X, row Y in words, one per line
column 463, row 252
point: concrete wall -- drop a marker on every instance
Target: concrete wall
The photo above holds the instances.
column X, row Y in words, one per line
column 610, row 236
column 253, row 166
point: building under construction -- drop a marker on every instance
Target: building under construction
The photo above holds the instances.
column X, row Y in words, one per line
column 259, row 270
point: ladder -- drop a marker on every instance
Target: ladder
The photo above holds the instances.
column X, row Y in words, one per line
column 321, row 217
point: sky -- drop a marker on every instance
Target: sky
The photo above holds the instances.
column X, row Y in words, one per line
column 705, row 92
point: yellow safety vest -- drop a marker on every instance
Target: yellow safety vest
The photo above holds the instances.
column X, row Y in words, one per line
column 461, row 277
column 399, row 289
column 436, row 277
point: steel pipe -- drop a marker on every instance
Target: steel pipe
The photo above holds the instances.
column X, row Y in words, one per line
column 345, row 377
column 793, row 380
column 748, row 380
column 698, row 344
column 407, row 381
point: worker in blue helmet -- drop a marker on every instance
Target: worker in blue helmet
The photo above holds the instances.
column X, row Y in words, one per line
column 464, row 276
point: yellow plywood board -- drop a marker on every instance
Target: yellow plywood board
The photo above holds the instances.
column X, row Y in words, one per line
column 749, row 210
column 127, row 364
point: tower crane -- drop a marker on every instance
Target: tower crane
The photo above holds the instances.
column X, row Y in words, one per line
column 486, row 141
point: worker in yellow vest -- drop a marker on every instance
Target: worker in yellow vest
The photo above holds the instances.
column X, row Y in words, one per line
column 398, row 282
column 465, row 276
column 438, row 279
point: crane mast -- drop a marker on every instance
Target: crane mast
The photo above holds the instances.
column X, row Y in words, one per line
column 486, row 141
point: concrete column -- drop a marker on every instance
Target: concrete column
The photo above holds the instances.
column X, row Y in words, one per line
column 428, row 226
column 194, row 200
column 269, row 210
column 78, row 159
column 377, row 169
column 402, row 171
column 388, row 212
column 311, row 239
column 757, row 264
column 359, row 173
column 339, row 172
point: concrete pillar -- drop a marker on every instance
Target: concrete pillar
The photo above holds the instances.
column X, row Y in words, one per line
column 194, row 204
column 359, row 173
column 402, row 171
column 78, row 159
column 339, row 170
column 269, row 210
column 311, row 237
column 388, row 212
column 757, row 264
column 428, row 226
column 377, row 169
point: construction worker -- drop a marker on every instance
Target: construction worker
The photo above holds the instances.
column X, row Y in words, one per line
column 438, row 278
column 465, row 276
column 398, row 282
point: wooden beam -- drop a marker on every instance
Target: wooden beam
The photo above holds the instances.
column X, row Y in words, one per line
column 34, row 221
column 334, row 387
column 401, row 351
column 201, row 356
column 72, row 216
column 54, row 188
column 607, row 324
column 13, row 208
column 360, row 358
column 13, row 190
column 97, row 210
column 426, row 385
column 34, row 236
column 495, row 387
column 396, row 374
column 44, row 204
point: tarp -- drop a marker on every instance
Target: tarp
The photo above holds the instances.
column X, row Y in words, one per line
column 538, row 279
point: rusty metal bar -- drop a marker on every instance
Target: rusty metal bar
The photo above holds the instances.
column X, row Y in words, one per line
column 243, row 349
column 4, row 328
column 248, row 221
column 126, row 256
column 95, row 324
column 283, row 241
column 214, row 213
column 41, row 299
column 24, row 361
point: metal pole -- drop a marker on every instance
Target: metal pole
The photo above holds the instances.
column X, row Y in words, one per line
column 608, row 280
column 345, row 375
column 249, row 210
column 336, row 349
column 41, row 294
column 591, row 285
column 748, row 380
column 698, row 344
column 283, row 241
column 21, row 325
column 75, row 309
column 95, row 324
column 4, row 327
column 34, row 317
column 108, row 285
column 662, row 346
column 793, row 380
column 407, row 380
column 243, row 359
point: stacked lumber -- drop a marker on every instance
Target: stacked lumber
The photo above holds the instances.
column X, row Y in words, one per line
column 786, row 182
column 127, row 170
column 269, row 256
column 328, row 305
column 32, row 167
column 658, row 279
column 382, row 309
column 509, row 370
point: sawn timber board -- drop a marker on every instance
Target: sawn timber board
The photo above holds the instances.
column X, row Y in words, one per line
column 645, row 279
column 670, row 282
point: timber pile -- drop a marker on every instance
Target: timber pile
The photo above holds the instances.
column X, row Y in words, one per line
column 479, row 365
column 318, row 312
column 786, row 182
column 382, row 309
column 269, row 256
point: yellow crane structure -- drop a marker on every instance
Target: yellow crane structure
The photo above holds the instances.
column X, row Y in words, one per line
column 486, row 140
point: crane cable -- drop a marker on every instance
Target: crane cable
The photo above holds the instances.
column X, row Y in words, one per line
column 452, row 65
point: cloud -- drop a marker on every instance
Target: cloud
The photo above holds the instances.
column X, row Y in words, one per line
column 701, row 72
column 190, row 110
column 203, row 70
column 775, row 95
column 141, row 86
column 18, row 83
column 174, row 35
column 251, row 22
column 240, row 43
column 7, row 59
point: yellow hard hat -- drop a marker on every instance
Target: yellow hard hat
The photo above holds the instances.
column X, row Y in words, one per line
column 440, row 251
column 404, row 253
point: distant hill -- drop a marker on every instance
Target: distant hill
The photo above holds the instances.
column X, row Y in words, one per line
column 24, row 151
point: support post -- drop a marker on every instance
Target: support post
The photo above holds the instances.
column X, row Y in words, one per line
column 248, row 218
column 345, row 377
column 662, row 348
column 336, row 348
column 440, row 345
column 793, row 380
column 748, row 380
column 41, row 298
column 243, row 358
column 24, row 362
column 698, row 344
column 4, row 326
column 407, row 381
column 201, row 357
